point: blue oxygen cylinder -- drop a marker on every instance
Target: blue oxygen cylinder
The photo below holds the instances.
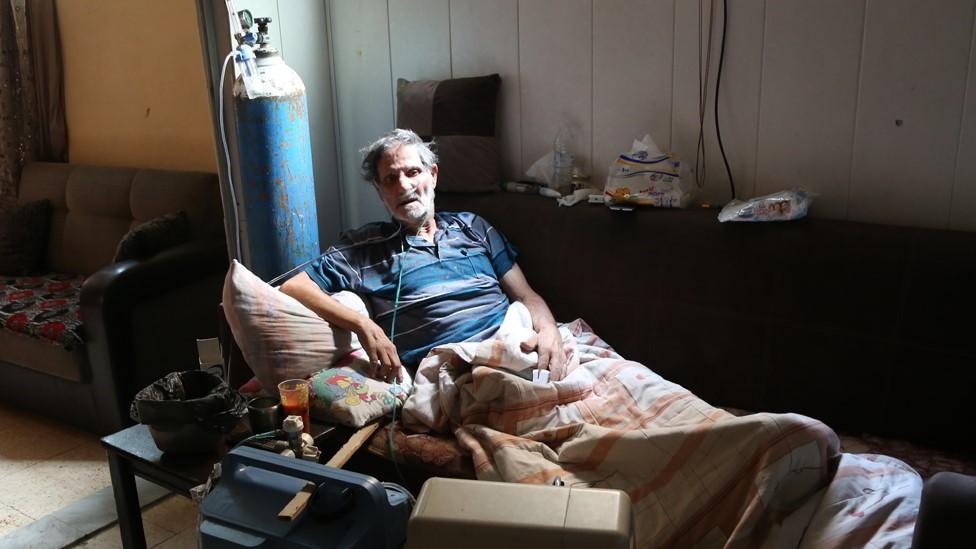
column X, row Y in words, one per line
column 277, row 184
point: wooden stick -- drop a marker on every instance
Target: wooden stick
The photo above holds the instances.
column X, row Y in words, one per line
column 354, row 443
column 293, row 508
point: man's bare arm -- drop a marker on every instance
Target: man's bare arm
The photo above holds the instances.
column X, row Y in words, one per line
column 547, row 340
column 381, row 351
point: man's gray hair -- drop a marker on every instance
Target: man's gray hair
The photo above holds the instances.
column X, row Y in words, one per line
column 393, row 140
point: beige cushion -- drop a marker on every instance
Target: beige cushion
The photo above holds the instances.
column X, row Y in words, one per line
column 93, row 207
column 29, row 352
column 279, row 337
column 156, row 192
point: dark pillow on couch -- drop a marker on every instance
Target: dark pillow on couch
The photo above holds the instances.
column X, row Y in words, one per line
column 459, row 115
column 158, row 234
column 23, row 236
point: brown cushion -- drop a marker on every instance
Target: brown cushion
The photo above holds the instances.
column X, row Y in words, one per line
column 154, row 236
column 23, row 236
column 467, row 163
column 459, row 115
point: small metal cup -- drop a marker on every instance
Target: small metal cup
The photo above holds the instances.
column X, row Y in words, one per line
column 264, row 414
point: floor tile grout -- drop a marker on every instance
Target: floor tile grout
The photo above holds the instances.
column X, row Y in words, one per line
column 33, row 450
column 98, row 510
column 27, row 473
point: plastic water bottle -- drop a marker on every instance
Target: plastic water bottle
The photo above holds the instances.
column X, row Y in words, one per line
column 562, row 162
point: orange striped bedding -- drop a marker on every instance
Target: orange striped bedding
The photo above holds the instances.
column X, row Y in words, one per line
column 697, row 475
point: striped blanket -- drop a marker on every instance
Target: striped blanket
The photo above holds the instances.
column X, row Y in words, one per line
column 697, row 476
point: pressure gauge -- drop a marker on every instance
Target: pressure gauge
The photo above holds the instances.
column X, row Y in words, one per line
column 245, row 18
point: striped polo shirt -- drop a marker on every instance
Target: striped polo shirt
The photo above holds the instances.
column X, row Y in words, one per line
column 449, row 291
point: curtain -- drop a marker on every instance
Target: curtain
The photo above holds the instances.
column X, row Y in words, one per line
column 32, row 120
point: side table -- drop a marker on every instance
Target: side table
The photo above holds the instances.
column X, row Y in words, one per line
column 132, row 452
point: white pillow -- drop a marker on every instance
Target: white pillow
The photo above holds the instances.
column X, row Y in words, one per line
column 279, row 337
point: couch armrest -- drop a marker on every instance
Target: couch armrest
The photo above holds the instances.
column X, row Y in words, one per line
column 946, row 512
column 132, row 279
column 111, row 296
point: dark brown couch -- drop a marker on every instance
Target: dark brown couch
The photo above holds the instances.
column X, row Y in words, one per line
column 140, row 319
column 866, row 327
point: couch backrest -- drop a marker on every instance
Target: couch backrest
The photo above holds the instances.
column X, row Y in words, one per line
column 867, row 327
column 94, row 206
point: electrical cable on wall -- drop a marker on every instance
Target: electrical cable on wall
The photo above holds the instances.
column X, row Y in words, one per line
column 703, row 72
column 718, row 87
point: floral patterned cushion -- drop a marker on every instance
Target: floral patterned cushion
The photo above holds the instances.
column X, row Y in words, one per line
column 45, row 307
column 345, row 395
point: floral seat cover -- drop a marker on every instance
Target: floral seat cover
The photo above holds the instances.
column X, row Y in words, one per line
column 45, row 307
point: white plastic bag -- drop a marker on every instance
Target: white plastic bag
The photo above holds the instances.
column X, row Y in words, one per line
column 781, row 206
column 645, row 176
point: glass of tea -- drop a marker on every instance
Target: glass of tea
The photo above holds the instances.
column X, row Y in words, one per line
column 294, row 400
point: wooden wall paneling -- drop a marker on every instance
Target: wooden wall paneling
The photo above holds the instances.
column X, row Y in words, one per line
column 738, row 101
column 909, row 110
column 811, row 58
column 685, row 95
column 555, row 58
column 304, row 46
column 633, row 47
column 364, row 97
column 420, row 40
column 484, row 40
column 963, row 209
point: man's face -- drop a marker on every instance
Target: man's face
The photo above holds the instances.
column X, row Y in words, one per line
column 406, row 187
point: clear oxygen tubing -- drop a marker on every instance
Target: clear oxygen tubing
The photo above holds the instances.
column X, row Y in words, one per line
column 393, row 414
column 230, row 178
column 396, row 305
column 293, row 270
column 468, row 230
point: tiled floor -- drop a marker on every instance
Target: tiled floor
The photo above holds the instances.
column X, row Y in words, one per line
column 45, row 467
column 169, row 524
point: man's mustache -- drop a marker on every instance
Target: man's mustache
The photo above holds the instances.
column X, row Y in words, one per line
column 409, row 197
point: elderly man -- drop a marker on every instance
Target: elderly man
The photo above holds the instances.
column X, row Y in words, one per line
column 429, row 278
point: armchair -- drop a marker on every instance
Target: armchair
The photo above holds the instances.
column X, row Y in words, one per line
column 139, row 319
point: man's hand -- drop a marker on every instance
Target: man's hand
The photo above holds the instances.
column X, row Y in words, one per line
column 547, row 340
column 382, row 352
column 549, row 344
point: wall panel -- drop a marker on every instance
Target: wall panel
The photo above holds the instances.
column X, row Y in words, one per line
column 686, row 73
column 963, row 212
column 555, row 48
column 738, row 99
column 811, row 58
column 633, row 50
column 364, row 96
column 420, row 39
column 910, row 105
column 484, row 40
column 811, row 91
